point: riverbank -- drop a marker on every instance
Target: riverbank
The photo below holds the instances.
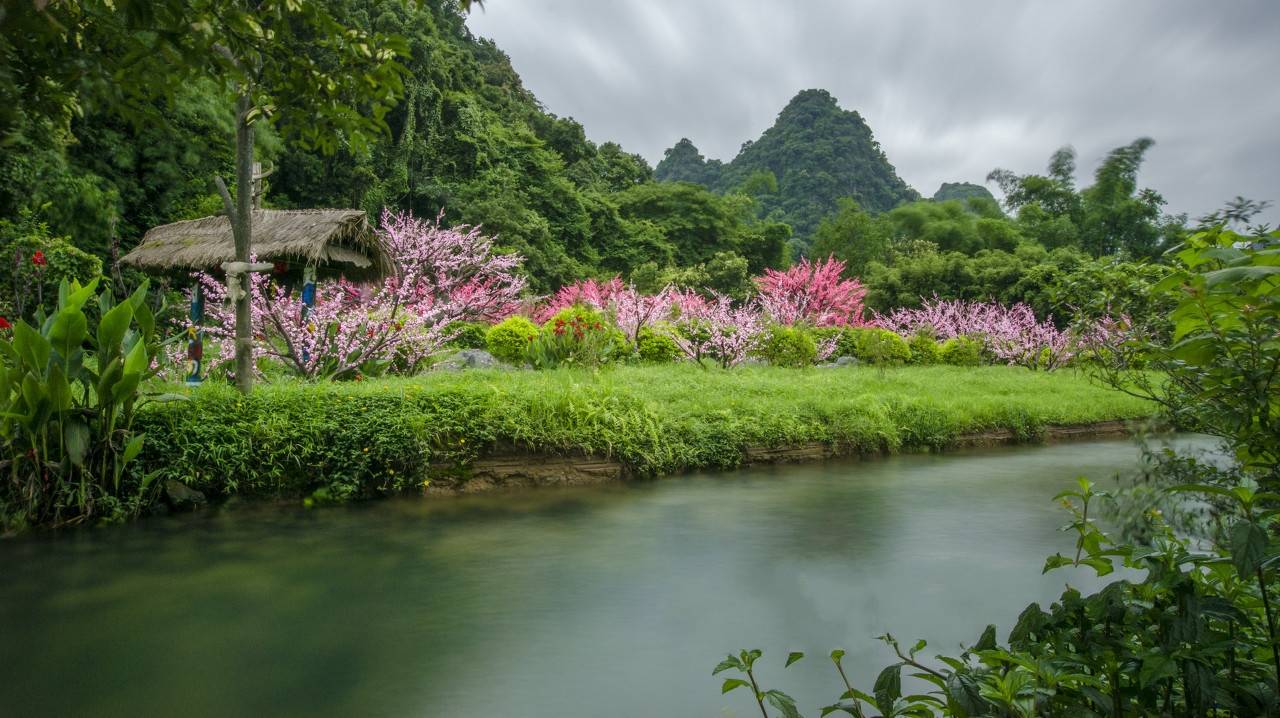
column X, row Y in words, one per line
column 342, row 440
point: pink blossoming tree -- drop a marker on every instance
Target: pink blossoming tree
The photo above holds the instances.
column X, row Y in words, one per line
column 812, row 293
column 443, row 275
column 715, row 329
column 1012, row 334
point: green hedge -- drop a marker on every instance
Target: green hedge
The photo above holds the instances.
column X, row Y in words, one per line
column 353, row 439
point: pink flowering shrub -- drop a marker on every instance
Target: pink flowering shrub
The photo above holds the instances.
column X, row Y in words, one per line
column 587, row 292
column 812, row 293
column 1012, row 334
column 631, row 310
column 442, row 276
column 715, row 329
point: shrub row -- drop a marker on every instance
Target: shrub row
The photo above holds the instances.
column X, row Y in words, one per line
column 362, row 438
column 582, row 336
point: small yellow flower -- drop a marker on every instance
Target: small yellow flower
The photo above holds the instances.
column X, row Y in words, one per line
column 391, row 471
column 366, row 449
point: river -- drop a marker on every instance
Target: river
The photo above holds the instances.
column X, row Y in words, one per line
column 592, row 601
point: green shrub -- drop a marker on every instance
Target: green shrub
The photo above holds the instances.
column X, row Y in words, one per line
column 657, row 347
column 788, row 346
column 509, row 339
column 924, row 350
column 24, row 285
column 353, row 439
column 962, row 351
column 880, row 347
column 843, row 340
column 470, row 335
column 577, row 336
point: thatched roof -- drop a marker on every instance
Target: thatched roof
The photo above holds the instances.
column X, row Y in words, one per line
column 338, row 241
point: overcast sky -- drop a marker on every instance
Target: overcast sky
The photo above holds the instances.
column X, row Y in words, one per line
column 950, row 89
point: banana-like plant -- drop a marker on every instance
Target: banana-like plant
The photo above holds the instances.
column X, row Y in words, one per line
column 69, row 389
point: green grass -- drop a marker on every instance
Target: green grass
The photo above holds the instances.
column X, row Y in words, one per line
column 358, row 438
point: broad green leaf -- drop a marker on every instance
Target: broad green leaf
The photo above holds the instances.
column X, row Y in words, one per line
column 1248, row 547
column 726, row 664
column 888, row 687
column 112, row 327
column 77, row 438
column 132, row 449
column 987, row 641
column 792, row 657
column 733, row 683
column 68, row 332
column 783, row 702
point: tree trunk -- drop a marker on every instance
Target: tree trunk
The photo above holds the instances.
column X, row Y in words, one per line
column 242, row 230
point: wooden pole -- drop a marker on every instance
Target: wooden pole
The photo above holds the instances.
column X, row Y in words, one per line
column 242, row 230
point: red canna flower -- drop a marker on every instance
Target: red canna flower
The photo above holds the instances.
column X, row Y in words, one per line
column 38, row 259
column 4, row 324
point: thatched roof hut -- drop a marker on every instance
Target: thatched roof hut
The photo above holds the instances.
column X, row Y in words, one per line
column 337, row 241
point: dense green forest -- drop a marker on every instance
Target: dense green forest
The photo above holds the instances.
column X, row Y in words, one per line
column 465, row 137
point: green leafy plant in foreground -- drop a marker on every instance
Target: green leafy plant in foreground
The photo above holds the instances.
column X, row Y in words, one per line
column 68, row 397
column 1195, row 637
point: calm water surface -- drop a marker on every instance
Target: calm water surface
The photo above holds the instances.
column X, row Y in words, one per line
column 599, row 601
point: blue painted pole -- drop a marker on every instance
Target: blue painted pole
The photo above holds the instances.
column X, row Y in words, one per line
column 195, row 337
column 308, row 299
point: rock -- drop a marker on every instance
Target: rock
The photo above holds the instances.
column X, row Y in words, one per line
column 179, row 496
column 470, row 359
column 839, row 362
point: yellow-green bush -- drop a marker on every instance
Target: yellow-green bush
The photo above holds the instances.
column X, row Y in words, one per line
column 788, row 346
column 962, row 351
column 509, row 339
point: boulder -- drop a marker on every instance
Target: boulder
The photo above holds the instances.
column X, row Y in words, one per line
column 181, row 497
column 470, row 359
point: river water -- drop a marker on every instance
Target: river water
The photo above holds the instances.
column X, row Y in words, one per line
column 592, row 601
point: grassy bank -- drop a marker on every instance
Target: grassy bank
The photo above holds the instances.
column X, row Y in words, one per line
column 358, row 438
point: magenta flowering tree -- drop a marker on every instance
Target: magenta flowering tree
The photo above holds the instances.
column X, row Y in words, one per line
column 443, row 275
column 1012, row 334
column 631, row 310
column 812, row 293
column 587, row 292
column 715, row 328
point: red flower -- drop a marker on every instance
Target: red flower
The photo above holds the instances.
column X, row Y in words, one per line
column 38, row 259
column 4, row 323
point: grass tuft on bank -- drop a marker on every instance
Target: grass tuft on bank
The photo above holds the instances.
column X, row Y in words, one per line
column 352, row 439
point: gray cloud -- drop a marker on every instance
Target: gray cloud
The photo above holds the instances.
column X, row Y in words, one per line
column 951, row 89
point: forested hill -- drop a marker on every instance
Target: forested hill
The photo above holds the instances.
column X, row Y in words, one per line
column 813, row 155
column 465, row 136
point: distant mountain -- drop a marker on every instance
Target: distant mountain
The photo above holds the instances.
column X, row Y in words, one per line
column 813, row 155
column 961, row 191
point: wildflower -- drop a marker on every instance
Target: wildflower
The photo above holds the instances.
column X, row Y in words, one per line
column 4, row 324
column 38, row 259
column 366, row 449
